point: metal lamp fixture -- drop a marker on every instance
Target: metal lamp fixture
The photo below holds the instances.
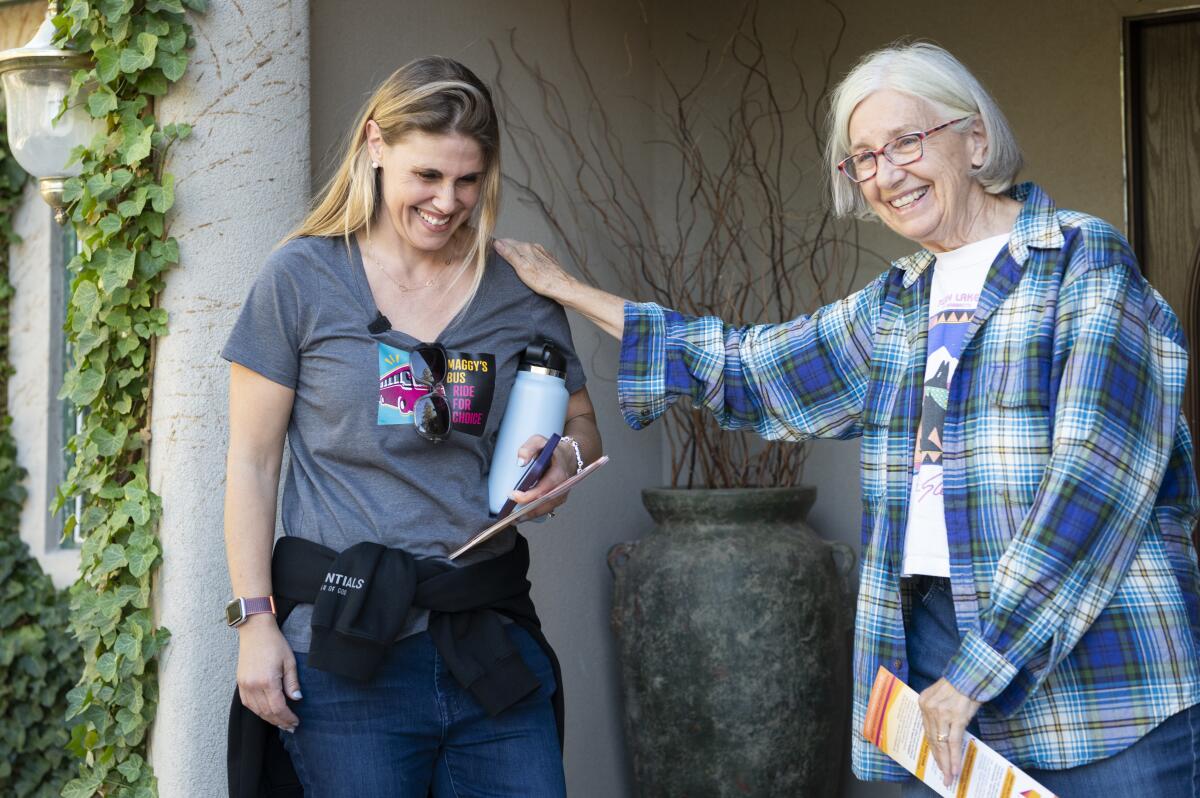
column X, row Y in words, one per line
column 35, row 79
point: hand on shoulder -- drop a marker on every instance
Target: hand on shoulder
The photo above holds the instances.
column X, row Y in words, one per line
column 536, row 267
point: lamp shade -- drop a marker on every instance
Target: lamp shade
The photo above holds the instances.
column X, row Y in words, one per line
column 35, row 79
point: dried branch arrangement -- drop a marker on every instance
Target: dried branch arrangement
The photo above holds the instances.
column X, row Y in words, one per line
column 734, row 222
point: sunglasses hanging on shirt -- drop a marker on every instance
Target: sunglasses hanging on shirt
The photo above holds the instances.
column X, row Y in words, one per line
column 431, row 413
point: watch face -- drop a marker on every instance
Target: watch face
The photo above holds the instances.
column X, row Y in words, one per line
column 235, row 612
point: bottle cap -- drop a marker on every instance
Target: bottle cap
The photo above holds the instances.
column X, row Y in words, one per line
column 543, row 357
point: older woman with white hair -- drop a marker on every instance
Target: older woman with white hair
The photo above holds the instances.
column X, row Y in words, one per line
column 1027, row 478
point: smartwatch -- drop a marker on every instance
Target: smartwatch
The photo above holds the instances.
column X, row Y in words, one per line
column 238, row 610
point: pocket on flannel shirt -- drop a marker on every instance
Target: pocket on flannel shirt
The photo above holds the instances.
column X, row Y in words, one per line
column 1018, row 385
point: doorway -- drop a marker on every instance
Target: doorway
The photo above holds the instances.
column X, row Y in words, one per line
column 1162, row 119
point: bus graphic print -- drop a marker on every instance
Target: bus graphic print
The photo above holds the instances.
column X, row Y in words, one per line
column 398, row 392
column 468, row 388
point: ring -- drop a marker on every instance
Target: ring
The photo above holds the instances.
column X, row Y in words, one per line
column 941, row 738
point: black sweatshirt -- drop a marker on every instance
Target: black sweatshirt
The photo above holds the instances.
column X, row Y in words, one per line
column 361, row 598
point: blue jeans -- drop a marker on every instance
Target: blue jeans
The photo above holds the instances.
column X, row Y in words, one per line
column 413, row 729
column 1165, row 763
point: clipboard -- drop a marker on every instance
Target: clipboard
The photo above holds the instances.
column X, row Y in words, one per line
column 525, row 509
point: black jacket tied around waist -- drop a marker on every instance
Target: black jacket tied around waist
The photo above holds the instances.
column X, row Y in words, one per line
column 361, row 598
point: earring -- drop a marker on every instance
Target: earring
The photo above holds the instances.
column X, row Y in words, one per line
column 374, row 164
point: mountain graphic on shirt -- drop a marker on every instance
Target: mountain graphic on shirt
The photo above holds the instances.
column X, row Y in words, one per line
column 933, row 415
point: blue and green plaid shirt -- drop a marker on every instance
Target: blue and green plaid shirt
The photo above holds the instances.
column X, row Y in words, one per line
column 1068, row 483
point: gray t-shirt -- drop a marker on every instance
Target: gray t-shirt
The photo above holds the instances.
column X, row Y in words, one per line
column 358, row 470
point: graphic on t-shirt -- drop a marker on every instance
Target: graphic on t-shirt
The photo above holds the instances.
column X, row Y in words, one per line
column 946, row 333
column 468, row 388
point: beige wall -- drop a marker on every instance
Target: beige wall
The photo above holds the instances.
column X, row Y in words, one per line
column 19, row 21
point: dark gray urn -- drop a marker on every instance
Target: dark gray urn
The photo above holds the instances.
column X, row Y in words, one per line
column 733, row 629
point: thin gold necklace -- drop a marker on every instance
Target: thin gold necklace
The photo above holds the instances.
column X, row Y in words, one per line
column 404, row 289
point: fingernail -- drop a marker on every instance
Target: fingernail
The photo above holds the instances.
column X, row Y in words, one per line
column 289, row 730
column 296, row 695
column 521, row 460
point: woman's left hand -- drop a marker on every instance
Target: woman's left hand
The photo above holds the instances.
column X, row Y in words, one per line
column 562, row 466
column 946, row 713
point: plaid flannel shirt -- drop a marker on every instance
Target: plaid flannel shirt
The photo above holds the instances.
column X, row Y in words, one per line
column 1068, row 483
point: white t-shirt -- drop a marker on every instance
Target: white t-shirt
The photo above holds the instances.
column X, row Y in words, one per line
column 958, row 278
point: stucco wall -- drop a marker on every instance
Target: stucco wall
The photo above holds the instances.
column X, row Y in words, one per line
column 241, row 183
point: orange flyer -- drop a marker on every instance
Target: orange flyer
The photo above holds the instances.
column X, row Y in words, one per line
column 894, row 725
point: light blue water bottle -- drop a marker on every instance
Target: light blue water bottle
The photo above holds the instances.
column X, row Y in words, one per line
column 537, row 405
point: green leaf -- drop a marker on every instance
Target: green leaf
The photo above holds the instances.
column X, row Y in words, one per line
column 108, row 64
column 137, row 146
column 114, row 10
column 83, row 787
column 162, row 199
column 148, row 44
column 102, row 101
column 111, row 224
column 128, row 646
column 134, row 205
column 106, row 666
column 136, row 510
column 141, row 561
column 174, row 6
column 134, row 59
column 117, row 268
column 173, row 65
column 131, row 768
column 86, row 298
column 87, row 387
column 113, row 558
column 153, row 83
column 174, row 42
column 108, row 443
column 73, row 189
column 128, row 721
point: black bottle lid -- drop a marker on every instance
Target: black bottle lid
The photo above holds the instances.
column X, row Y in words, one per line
column 543, row 357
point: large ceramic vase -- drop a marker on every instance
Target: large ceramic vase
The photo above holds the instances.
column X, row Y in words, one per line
column 733, row 620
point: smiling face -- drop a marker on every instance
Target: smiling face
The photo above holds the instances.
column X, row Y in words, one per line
column 431, row 184
column 933, row 201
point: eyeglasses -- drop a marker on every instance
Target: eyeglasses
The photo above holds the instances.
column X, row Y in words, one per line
column 431, row 412
column 900, row 151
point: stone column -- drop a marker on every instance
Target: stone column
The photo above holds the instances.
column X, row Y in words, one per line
column 242, row 181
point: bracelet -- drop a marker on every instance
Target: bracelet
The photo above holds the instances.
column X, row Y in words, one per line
column 574, row 445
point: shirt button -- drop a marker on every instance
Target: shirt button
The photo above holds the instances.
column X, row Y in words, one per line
column 645, row 413
column 897, row 664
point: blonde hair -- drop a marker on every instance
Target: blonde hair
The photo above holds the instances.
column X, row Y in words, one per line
column 930, row 73
column 433, row 95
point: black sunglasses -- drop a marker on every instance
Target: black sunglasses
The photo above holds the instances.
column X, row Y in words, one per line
column 431, row 413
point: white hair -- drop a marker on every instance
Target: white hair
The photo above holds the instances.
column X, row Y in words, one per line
column 930, row 73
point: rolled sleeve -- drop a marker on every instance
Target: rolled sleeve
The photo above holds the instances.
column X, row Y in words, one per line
column 641, row 380
column 979, row 671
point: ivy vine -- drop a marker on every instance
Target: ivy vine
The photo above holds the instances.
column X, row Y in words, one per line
column 37, row 654
column 118, row 207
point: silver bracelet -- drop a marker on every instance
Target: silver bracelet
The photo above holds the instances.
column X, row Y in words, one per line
column 574, row 445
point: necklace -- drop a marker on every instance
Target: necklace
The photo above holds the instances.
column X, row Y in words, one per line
column 404, row 289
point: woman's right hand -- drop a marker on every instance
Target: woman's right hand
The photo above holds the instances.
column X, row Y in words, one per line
column 536, row 267
column 266, row 668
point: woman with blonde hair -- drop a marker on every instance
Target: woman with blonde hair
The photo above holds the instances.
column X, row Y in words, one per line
column 382, row 339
